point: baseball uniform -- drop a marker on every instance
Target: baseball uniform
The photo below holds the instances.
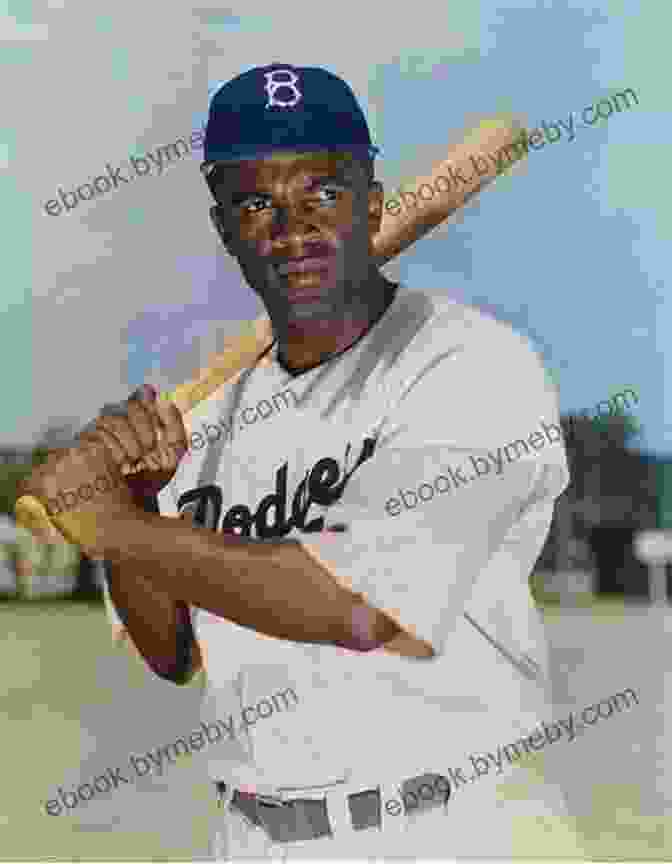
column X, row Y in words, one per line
column 433, row 444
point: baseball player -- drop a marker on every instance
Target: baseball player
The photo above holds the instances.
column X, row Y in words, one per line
column 366, row 547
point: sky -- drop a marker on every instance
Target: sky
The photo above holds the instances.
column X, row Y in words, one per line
column 573, row 251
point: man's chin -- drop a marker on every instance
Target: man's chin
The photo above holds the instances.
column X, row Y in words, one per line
column 315, row 322
column 309, row 302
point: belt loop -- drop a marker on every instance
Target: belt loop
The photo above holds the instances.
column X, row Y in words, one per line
column 393, row 817
column 338, row 811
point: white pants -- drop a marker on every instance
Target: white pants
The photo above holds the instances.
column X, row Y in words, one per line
column 513, row 817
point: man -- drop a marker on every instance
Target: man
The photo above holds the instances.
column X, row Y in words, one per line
column 365, row 547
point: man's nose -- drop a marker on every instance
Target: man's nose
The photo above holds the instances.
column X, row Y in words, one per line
column 291, row 221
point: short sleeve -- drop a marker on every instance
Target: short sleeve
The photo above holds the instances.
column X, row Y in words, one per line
column 470, row 451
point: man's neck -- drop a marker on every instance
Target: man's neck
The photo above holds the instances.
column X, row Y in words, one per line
column 310, row 344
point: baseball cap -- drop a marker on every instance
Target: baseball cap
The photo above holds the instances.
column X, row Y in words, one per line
column 284, row 107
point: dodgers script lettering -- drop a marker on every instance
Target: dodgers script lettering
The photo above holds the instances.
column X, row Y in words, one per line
column 323, row 485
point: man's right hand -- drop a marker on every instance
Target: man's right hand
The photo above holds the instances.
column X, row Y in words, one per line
column 142, row 427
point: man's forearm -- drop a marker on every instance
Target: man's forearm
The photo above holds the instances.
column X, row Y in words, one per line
column 158, row 625
column 273, row 587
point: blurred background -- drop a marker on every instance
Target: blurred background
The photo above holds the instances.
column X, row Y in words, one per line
column 132, row 285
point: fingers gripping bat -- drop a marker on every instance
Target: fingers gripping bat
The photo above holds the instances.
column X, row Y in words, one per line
column 400, row 228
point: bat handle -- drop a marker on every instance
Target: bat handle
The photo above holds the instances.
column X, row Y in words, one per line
column 31, row 515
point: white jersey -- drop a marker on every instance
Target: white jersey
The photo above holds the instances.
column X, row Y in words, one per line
column 434, row 442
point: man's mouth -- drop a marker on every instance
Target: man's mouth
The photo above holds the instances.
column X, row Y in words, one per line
column 307, row 264
column 316, row 257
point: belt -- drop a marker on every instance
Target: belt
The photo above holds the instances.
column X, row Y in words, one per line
column 300, row 819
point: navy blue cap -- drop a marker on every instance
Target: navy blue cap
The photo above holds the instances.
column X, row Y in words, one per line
column 283, row 107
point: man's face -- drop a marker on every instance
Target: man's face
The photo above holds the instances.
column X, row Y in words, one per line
column 301, row 227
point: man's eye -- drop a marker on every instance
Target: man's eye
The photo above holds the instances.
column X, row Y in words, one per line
column 321, row 195
column 332, row 191
column 249, row 204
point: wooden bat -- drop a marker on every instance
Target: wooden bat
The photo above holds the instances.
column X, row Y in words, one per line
column 400, row 228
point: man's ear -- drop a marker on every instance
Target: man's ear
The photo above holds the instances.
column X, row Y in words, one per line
column 216, row 219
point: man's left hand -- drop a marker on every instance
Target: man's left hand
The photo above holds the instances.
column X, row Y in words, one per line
column 83, row 491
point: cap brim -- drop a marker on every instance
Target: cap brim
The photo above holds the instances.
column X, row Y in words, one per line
column 207, row 166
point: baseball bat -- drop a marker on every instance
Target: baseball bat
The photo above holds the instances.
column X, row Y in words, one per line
column 397, row 233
